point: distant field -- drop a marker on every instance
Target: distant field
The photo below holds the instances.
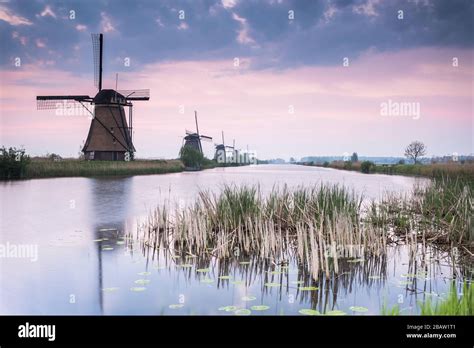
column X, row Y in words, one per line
column 43, row 168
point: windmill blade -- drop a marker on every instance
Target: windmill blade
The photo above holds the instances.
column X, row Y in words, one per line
column 97, row 48
column 135, row 94
column 48, row 102
column 205, row 138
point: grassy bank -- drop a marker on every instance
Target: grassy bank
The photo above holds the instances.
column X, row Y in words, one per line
column 463, row 171
column 44, row 168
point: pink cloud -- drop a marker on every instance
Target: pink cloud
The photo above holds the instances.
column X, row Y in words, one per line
column 11, row 18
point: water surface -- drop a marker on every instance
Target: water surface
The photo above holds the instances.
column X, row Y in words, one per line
column 76, row 274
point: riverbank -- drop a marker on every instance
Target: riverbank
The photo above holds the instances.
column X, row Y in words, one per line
column 46, row 168
column 434, row 170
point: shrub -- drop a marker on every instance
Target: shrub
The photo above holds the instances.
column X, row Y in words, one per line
column 191, row 157
column 366, row 166
column 13, row 163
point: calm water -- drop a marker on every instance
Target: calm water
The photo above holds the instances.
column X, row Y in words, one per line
column 76, row 274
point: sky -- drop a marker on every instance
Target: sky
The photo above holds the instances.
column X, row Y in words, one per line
column 285, row 78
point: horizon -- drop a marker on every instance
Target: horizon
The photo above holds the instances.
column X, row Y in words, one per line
column 287, row 79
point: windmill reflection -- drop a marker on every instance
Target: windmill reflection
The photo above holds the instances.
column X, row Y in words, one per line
column 110, row 199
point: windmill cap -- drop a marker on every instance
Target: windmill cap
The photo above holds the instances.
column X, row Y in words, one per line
column 109, row 96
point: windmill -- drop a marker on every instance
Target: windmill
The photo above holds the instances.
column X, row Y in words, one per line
column 193, row 139
column 109, row 137
column 222, row 152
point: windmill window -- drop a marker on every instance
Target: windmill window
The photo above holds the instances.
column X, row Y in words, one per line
column 114, row 141
column 111, row 129
column 91, row 155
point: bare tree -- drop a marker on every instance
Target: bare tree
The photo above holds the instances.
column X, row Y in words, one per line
column 415, row 150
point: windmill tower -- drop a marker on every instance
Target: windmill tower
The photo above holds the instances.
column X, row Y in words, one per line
column 223, row 153
column 110, row 136
column 193, row 139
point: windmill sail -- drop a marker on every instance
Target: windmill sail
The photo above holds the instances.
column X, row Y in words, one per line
column 135, row 94
column 205, row 137
column 97, row 48
column 48, row 102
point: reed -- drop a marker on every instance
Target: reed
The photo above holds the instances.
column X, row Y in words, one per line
column 318, row 226
column 439, row 212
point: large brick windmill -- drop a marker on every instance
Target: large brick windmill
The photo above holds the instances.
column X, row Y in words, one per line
column 110, row 137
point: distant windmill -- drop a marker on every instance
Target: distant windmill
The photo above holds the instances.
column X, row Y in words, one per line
column 221, row 153
column 109, row 138
column 193, row 139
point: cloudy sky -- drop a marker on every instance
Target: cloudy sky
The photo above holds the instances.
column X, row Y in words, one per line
column 286, row 78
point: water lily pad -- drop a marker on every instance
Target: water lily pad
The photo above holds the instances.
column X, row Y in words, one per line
column 358, row 309
column 297, row 282
column 405, row 282
column 245, row 262
column 176, row 306
column 309, row 312
column 107, row 229
column 272, row 284
column 249, row 298
column 243, row 312
column 228, row 308
column 207, row 280
column 259, row 308
column 336, row 312
column 120, row 242
column 109, row 289
column 355, row 260
column 203, row 270
column 186, row 265
column 225, row 277
column 237, row 282
column 144, row 273
column 308, row 288
column 275, row 272
column 142, row 281
column 107, row 248
column 98, row 240
column 408, row 275
column 137, row 289
column 374, row 277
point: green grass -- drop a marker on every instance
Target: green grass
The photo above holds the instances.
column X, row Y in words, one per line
column 43, row 168
column 453, row 304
